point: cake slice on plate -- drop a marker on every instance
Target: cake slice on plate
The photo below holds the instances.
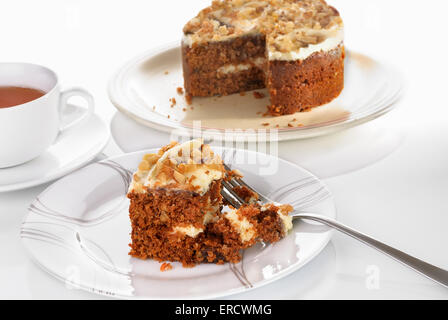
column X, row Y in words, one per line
column 177, row 214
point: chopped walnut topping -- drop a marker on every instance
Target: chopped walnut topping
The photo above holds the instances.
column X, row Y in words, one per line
column 180, row 167
column 289, row 25
column 179, row 177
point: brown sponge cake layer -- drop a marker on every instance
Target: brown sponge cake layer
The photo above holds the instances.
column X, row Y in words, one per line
column 201, row 65
column 208, row 247
column 171, row 208
column 221, row 84
column 213, row 55
column 298, row 86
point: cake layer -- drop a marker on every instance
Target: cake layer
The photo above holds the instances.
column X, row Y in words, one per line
column 170, row 209
column 216, row 83
column 297, row 86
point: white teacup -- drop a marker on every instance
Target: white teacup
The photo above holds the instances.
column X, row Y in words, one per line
column 28, row 130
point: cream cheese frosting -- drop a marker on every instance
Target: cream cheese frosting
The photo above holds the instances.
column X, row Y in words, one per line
column 231, row 68
column 294, row 29
column 191, row 166
column 241, row 225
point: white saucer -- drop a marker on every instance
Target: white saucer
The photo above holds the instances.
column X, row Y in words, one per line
column 142, row 89
column 78, row 230
column 72, row 150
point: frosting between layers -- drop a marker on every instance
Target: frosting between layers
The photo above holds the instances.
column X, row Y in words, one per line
column 190, row 231
column 231, row 68
column 241, row 225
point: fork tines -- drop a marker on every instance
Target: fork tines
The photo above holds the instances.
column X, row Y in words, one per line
column 231, row 196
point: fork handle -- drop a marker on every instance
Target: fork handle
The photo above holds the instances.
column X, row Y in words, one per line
column 432, row 272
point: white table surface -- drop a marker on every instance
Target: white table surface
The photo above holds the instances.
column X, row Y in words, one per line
column 394, row 186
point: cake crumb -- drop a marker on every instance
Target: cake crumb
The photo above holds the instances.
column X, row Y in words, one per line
column 184, row 109
column 167, row 72
column 189, row 99
column 300, row 125
column 265, row 124
column 258, row 95
column 173, row 102
column 290, row 125
column 180, row 90
column 166, row 267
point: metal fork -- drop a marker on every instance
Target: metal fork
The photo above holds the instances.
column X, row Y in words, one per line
column 430, row 271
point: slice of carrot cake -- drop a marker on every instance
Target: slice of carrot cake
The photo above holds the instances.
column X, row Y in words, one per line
column 177, row 215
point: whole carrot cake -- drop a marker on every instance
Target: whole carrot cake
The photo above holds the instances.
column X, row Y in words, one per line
column 293, row 47
column 177, row 214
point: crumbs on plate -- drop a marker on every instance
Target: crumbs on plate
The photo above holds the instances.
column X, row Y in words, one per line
column 165, row 267
column 258, row 95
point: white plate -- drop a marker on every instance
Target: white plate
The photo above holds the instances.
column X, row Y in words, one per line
column 78, row 230
column 72, row 149
column 143, row 87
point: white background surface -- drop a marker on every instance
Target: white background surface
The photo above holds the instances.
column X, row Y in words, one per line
column 394, row 186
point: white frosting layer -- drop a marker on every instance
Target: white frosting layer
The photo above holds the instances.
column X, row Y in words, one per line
column 287, row 221
column 203, row 175
column 231, row 68
column 328, row 44
column 241, row 225
column 190, row 231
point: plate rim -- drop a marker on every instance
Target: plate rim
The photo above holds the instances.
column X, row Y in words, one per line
column 66, row 170
column 118, row 100
column 229, row 293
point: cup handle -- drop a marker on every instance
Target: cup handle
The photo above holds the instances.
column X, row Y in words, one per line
column 73, row 92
